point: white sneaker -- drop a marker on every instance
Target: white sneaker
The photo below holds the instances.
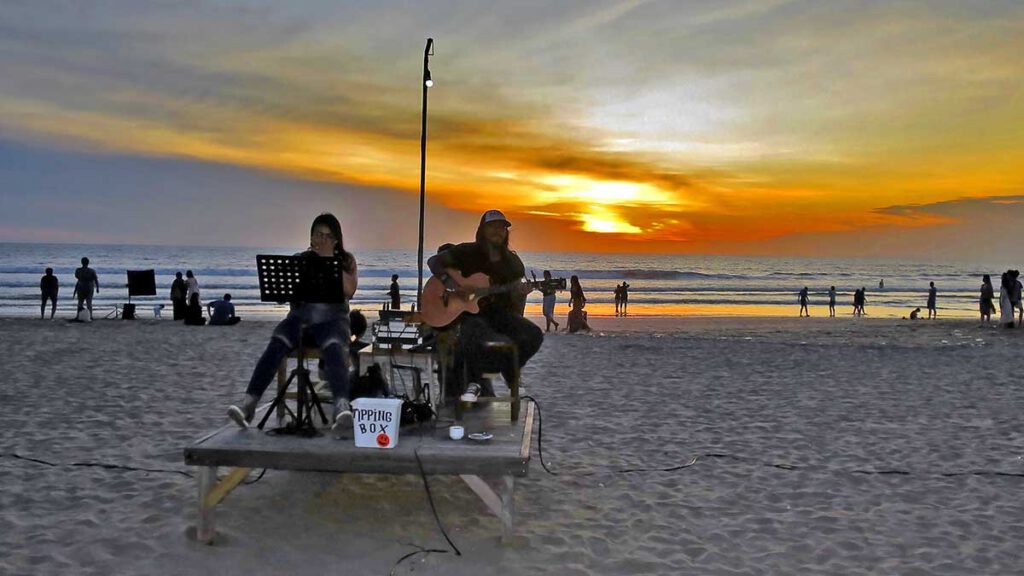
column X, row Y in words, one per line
column 244, row 415
column 342, row 416
column 472, row 393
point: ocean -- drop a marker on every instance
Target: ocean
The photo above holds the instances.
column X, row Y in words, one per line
column 661, row 285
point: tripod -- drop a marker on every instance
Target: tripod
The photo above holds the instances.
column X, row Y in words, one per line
column 302, row 279
column 306, row 399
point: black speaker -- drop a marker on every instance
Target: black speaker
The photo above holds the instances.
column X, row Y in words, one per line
column 141, row 283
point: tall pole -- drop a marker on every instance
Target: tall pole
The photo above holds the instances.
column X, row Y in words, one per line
column 423, row 169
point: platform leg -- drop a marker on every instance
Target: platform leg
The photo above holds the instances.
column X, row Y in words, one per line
column 206, row 480
column 501, row 505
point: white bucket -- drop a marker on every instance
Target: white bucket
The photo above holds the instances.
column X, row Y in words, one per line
column 375, row 422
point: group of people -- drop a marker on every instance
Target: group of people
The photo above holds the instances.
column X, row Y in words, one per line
column 87, row 284
column 859, row 298
column 621, row 298
column 500, row 317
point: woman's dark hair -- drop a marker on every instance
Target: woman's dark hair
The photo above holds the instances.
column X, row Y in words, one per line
column 357, row 323
column 188, row 273
column 329, row 220
column 986, row 279
column 575, row 280
column 49, row 270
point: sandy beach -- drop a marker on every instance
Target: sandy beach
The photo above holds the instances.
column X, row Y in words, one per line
column 844, row 446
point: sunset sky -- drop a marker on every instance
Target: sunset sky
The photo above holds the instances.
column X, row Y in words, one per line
column 770, row 127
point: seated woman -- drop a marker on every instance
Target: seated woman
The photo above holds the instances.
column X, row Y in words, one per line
column 328, row 324
column 578, row 301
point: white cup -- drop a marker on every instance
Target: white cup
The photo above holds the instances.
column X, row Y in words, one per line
column 456, row 432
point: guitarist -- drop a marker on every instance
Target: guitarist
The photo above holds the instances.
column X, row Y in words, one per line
column 501, row 314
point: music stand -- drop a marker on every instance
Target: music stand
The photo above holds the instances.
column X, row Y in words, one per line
column 303, row 279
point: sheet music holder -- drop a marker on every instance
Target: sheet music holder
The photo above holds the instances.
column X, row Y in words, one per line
column 303, row 279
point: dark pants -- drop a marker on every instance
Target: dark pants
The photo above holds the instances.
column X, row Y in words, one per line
column 396, row 303
column 53, row 305
column 179, row 308
column 477, row 330
column 332, row 338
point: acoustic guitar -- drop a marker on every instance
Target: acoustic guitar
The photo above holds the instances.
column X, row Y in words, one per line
column 440, row 306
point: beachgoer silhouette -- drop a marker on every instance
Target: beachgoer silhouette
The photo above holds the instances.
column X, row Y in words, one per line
column 1006, row 309
column 618, row 299
column 832, row 302
column 915, row 313
column 985, row 302
column 803, row 303
column 178, row 301
column 87, row 285
column 49, row 286
column 578, row 301
column 625, row 297
column 395, row 293
column 222, row 312
column 549, row 304
column 863, row 300
column 191, row 287
column 932, row 313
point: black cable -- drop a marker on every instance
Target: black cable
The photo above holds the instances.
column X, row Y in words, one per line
column 695, row 459
column 94, row 465
column 421, row 550
column 257, row 478
column 430, row 498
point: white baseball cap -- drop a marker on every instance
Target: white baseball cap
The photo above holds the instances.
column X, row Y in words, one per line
column 494, row 216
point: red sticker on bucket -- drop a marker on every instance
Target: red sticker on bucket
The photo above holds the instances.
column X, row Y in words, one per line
column 383, row 440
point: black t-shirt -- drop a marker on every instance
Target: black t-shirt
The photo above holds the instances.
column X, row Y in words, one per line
column 48, row 284
column 469, row 258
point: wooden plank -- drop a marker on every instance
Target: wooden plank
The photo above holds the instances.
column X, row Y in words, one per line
column 485, row 492
column 524, row 452
column 225, row 486
column 205, row 523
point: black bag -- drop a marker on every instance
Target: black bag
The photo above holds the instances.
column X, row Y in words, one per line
column 370, row 385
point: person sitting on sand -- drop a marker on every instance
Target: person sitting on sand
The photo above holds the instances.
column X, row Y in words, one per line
column 327, row 323
column 194, row 312
column 222, row 312
column 501, row 314
column 578, row 301
column 915, row 313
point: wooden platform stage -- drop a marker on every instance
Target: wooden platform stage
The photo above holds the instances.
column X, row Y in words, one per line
column 480, row 464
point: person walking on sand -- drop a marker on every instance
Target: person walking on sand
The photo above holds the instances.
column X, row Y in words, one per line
column 48, row 286
column 863, row 300
column 87, row 285
column 985, row 301
column 191, row 287
column 832, row 302
column 395, row 293
column 178, row 301
column 1005, row 304
column 856, row 302
column 803, row 303
column 548, row 292
column 932, row 313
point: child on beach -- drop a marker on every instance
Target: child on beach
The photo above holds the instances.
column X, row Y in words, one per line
column 328, row 324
